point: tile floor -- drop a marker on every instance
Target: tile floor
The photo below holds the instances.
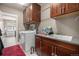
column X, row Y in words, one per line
column 11, row 41
column 28, row 54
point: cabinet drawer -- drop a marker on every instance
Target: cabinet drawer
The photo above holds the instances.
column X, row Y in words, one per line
column 60, row 51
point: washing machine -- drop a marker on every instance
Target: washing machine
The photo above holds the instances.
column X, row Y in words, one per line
column 27, row 39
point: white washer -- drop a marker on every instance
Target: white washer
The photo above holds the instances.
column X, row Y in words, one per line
column 28, row 39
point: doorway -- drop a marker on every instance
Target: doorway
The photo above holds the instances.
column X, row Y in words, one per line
column 8, row 25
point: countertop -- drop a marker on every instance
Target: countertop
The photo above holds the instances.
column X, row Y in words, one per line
column 73, row 41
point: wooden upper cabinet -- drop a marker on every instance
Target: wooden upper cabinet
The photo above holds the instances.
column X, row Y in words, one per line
column 55, row 9
column 70, row 7
column 36, row 12
column 58, row 9
column 25, row 16
column 32, row 13
column 46, row 47
column 77, row 6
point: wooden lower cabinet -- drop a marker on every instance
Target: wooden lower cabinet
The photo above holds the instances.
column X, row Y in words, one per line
column 49, row 47
column 38, row 45
column 60, row 51
column 46, row 48
column 63, row 52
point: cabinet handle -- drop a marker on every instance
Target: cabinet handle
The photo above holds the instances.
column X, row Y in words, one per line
column 60, row 9
column 55, row 51
column 63, row 10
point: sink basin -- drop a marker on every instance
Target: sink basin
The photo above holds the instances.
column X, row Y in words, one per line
column 62, row 37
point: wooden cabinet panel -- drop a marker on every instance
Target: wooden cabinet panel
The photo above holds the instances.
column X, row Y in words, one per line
column 49, row 47
column 60, row 51
column 38, row 45
column 62, row 8
column 70, row 7
column 36, row 12
column 58, row 9
column 77, row 6
column 55, row 9
column 38, row 42
column 46, row 48
column 66, row 8
column 24, row 16
column 32, row 13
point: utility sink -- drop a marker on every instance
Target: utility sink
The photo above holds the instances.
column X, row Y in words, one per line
column 62, row 37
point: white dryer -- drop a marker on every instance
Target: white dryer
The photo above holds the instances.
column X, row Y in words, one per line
column 27, row 39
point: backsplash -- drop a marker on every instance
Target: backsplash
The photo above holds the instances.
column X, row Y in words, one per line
column 46, row 21
column 68, row 24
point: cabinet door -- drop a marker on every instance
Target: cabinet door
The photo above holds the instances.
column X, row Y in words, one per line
column 67, row 8
column 70, row 7
column 26, row 15
column 36, row 12
column 30, row 13
column 63, row 8
column 77, row 6
column 46, row 48
column 74, row 7
column 38, row 45
column 60, row 51
column 55, row 9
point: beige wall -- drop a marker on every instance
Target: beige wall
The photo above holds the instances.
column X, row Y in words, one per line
column 46, row 20
column 68, row 24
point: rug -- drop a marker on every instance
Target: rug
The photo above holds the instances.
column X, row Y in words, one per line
column 15, row 50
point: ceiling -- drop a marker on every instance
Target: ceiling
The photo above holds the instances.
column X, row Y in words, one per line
column 43, row 4
column 14, row 5
column 19, row 6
